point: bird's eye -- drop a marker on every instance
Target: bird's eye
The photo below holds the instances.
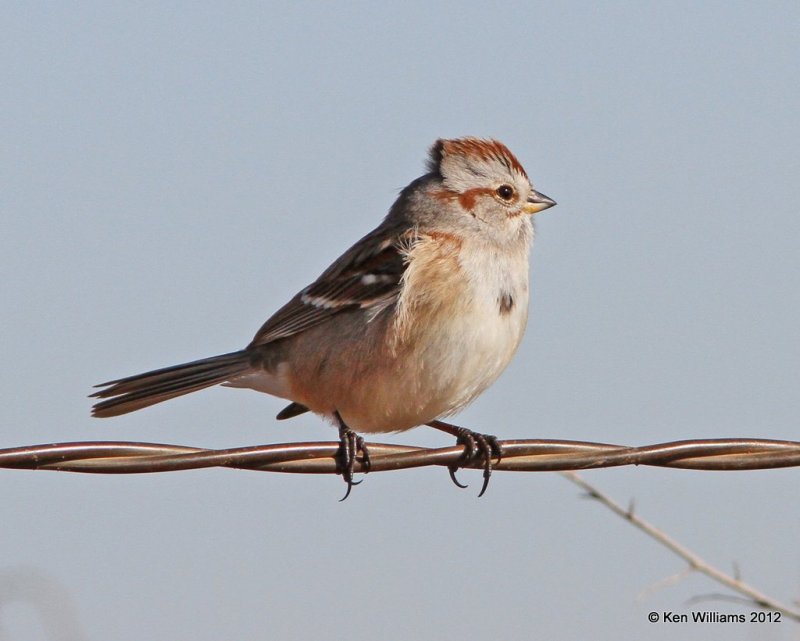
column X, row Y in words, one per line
column 506, row 192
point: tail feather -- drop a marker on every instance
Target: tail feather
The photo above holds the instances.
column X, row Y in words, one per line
column 142, row 390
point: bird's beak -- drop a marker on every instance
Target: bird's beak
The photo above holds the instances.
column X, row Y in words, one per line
column 537, row 202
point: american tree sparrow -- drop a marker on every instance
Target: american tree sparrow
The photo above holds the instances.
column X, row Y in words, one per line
column 409, row 325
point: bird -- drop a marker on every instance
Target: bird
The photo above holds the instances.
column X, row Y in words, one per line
column 406, row 327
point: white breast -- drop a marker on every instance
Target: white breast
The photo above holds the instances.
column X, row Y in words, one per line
column 482, row 339
column 461, row 338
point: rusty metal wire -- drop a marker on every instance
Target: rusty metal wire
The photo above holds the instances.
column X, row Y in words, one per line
column 116, row 457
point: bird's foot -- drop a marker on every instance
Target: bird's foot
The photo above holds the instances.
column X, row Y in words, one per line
column 477, row 446
column 349, row 445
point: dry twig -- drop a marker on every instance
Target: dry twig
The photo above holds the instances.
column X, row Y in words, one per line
column 696, row 563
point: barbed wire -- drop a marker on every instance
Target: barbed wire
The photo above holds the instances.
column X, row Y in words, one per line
column 533, row 455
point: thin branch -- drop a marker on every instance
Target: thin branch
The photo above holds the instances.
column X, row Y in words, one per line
column 695, row 562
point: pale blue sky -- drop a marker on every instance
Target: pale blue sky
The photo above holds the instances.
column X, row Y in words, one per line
column 173, row 172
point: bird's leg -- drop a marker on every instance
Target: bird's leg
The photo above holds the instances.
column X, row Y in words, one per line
column 349, row 445
column 476, row 446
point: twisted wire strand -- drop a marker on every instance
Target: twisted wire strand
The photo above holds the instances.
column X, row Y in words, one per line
column 533, row 455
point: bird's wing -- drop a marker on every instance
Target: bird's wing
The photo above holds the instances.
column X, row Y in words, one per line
column 366, row 276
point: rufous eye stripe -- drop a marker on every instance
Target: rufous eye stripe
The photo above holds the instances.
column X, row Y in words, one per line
column 468, row 198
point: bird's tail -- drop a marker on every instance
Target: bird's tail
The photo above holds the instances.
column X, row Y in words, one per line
column 135, row 392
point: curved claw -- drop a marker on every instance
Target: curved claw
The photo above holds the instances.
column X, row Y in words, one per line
column 487, row 472
column 347, row 493
column 350, row 483
column 453, row 478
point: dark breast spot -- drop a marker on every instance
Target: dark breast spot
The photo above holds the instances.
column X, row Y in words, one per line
column 505, row 303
